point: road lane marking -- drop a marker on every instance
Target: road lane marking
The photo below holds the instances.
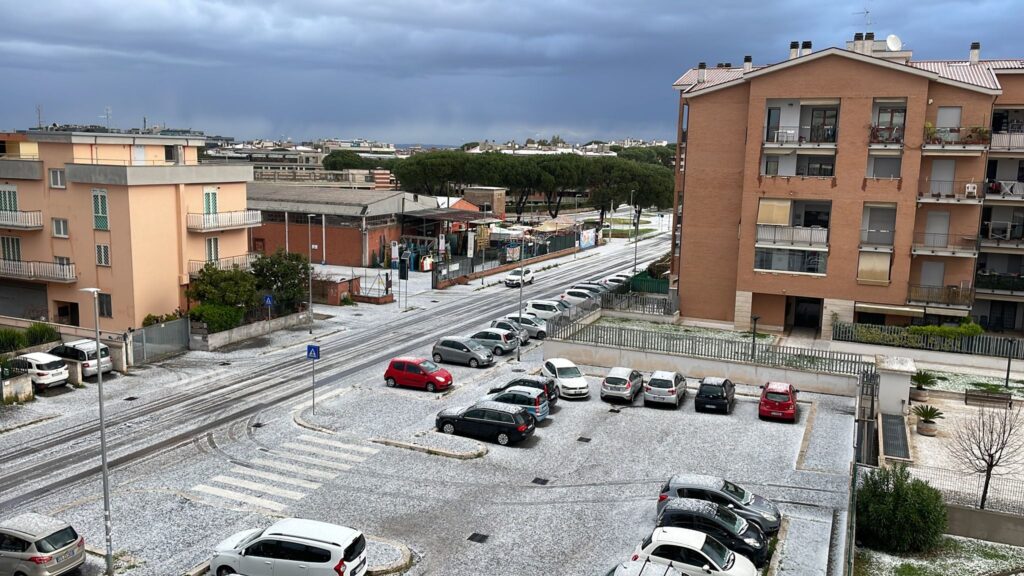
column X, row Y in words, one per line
column 257, row 487
column 326, row 442
column 293, row 468
column 323, row 452
column 314, row 461
column 239, row 497
column 276, row 477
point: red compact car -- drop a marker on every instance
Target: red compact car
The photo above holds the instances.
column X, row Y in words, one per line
column 417, row 373
column 778, row 401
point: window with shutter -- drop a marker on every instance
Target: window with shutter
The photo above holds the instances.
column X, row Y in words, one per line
column 776, row 212
column 874, row 267
column 8, row 198
column 11, row 247
column 103, row 255
column 100, row 218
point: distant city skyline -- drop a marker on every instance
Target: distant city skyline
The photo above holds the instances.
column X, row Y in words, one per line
column 430, row 71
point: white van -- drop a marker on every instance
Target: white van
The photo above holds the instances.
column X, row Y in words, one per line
column 84, row 351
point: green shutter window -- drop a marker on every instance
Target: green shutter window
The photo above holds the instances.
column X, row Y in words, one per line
column 8, row 199
column 100, row 218
column 11, row 248
column 212, row 249
column 210, row 201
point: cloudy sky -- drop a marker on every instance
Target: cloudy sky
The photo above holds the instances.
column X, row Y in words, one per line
column 434, row 71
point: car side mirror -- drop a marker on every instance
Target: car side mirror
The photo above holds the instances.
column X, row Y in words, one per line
column 707, row 568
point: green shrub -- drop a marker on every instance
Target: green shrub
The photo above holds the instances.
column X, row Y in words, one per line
column 897, row 513
column 923, row 379
column 964, row 330
column 928, row 414
column 40, row 333
column 151, row 319
column 11, row 340
column 217, row 317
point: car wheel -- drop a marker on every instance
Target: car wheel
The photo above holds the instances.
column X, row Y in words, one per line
column 224, row 571
column 542, row 335
column 473, row 363
column 498, row 351
column 390, row 382
column 431, row 387
column 646, row 403
column 438, row 358
column 448, row 428
column 503, row 439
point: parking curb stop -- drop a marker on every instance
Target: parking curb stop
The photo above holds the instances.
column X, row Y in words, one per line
column 479, row 452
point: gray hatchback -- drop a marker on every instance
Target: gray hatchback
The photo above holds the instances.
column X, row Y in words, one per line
column 37, row 545
column 665, row 388
column 622, row 383
column 462, row 350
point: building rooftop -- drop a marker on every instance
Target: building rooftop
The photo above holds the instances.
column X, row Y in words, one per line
column 332, row 200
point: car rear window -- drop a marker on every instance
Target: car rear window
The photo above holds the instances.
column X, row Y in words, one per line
column 712, row 390
column 615, row 381
column 57, row 540
column 777, row 396
column 104, row 353
column 659, row 383
column 355, row 549
column 55, row 365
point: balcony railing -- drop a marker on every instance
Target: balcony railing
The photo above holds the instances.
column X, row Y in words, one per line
column 933, row 243
column 951, row 190
column 999, row 231
column 886, row 134
column 792, row 235
column 1009, row 189
column 944, row 295
column 243, row 262
column 23, row 220
column 19, row 156
column 1002, row 282
column 957, row 136
column 224, row 220
column 45, row 271
column 797, row 135
column 794, row 261
column 877, row 237
column 1010, row 139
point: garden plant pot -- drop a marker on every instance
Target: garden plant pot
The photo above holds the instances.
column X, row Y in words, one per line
column 918, row 395
column 925, row 428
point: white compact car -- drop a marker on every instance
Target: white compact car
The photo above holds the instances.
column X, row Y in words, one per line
column 514, row 279
column 569, row 380
column 544, row 309
column 693, row 553
column 45, row 369
column 292, row 546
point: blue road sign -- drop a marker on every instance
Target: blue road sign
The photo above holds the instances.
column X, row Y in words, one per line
column 312, row 352
column 268, row 300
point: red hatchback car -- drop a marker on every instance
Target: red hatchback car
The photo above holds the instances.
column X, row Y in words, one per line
column 417, row 373
column 778, row 400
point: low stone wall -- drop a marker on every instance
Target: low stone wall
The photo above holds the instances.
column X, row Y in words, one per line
column 207, row 342
column 609, row 356
column 332, row 292
column 385, row 299
column 985, row 525
column 18, row 389
column 442, row 284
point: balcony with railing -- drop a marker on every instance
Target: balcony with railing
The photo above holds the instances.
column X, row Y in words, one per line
column 1002, row 233
column 41, row 271
column 970, row 140
column 1004, row 190
column 950, row 191
column 998, row 283
column 813, row 136
column 886, row 136
column 243, row 262
column 879, row 240
column 929, row 244
column 18, row 220
column 21, row 166
column 1007, row 136
column 784, row 260
column 951, row 296
column 224, row 220
column 802, row 236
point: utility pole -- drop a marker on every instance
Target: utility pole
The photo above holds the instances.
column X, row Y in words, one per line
column 309, row 245
column 103, row 433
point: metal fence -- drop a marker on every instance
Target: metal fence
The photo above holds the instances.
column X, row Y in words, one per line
column 716, row 348
column 641, row 303
column 983, row 344
column 159, row 340
column 1004, row 494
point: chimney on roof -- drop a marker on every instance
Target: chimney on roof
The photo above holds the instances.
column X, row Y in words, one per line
column 702, row 72
column 869, row 43
column 975, row 52
column 727, row 65
column 858, row 42
column 748, row 63
column 805, row 48
column 794, row 49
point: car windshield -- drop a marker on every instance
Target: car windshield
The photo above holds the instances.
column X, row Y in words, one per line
column 777, row 396
column 659, row 383
column 718, row 554
column 514, row 273
column 57, row 540
column 615, row 381
column 712, row 390
column 568, row 372
column 736, row 524
column 474, row 345
column 737, row 492
column 55, row 365
column 104, row 353
column 563, row 305
column 429, row 367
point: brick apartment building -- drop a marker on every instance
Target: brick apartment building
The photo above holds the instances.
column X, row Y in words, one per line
column 852, row 183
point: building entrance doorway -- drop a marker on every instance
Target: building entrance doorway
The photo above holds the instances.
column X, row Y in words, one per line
column 804, row 312
column 67, row 313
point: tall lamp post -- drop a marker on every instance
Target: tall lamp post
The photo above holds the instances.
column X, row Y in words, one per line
column 753, row 338
column 103, row 431
column 576, row 228
column 522, row 280
column 636, row 228
column 309, row 245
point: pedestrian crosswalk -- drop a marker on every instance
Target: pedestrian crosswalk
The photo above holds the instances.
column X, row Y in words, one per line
column 279, row 478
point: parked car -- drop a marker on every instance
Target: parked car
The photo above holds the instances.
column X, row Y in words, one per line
column 569, row 380
column 542, row 309
column 292, row 546
column 538, row 382
column 534, row 400
column 715, row 394
column 720, row 522
column 595, row 289
column 417, row 373
column 614, row 281
column 463, row 351
column 536, row 327
column 36, row 545
column 514, row 279
column 498, row 340
column 576, row 296
column 514, row 327
column 778, row 400
column 642, row 568
column 84, row 351
column 622, row 383
column 744, row 503
column 665, row 388
column 503, row 422
column 692, row 553
column 45, row 369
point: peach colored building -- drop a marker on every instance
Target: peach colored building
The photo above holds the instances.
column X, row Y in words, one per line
column 134, row 215
column 848, row 184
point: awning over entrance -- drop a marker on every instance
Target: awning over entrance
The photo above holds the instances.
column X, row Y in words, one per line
column 962, row 312
column 913, row 311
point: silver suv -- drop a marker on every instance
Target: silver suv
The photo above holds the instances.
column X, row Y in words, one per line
column 292, row 546
column 37, row 545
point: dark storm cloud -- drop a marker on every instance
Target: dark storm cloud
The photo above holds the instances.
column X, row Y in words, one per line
column 426, row 70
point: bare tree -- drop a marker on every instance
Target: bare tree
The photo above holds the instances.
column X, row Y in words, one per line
column 990, row 443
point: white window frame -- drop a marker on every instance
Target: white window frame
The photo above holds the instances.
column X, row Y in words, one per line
column 103, row 254
column 62, row 260
column 100, row 209
column 60, row 227
column 104, row 305
column 61, row 180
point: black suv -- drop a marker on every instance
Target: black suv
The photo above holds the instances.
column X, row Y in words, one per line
column 545, row 384
column 715, row 394
column 723, row 524
column 504, row 422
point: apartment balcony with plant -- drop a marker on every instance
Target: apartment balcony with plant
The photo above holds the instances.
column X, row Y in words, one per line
column 960, row 297
column 1007, row 130
column 1000, row 273
column 242, row 262
column 943, row 139
column 951, row 191
column 789, row 125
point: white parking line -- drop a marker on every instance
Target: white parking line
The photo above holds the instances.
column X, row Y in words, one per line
column 314, row 461
column 276, row 477
column 237, row 496
column 323, row 452
column 326, row 442
column 256, row 486
column 294, row 468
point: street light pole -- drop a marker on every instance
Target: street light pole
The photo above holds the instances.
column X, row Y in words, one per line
column 753, row 338
column 309, row 245
column 103, row 432
column 1009, row 359
column 522, row 280
column 636, row 228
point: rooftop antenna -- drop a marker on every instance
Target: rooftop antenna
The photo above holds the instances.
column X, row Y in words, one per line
column 107, row 113
column 866, row 13
column 39, row 116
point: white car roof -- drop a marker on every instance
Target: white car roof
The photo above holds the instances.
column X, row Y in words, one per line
column 41, row 357
column 313, row 530
column 501, row 331
column 561, row 363
column 552, row 302
column 679, row 536
column 88, row 343
column 663, row 375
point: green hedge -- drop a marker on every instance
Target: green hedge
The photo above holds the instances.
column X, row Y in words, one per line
column 964, row 330
column 11, row 340
column 897, row 513
column 217, row 317
column 40, row 333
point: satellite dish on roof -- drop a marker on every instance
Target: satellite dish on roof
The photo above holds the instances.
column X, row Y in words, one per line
column 893, row 43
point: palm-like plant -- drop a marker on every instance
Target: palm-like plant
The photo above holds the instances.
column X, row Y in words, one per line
column 927, row 414
column 923, row 378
